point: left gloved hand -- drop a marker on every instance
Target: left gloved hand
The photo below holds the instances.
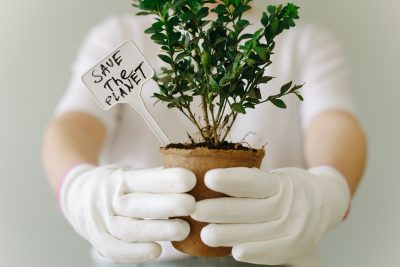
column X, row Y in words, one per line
column 272, row 218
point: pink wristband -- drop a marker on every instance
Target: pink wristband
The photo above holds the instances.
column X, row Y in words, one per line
column 347, row 212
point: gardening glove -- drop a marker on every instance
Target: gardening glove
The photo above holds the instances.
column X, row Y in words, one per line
column 122, row 211
column 272, row 218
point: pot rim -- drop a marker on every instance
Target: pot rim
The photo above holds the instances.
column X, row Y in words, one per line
column 213, row 153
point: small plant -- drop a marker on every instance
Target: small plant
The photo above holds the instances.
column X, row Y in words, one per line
column 215, row 60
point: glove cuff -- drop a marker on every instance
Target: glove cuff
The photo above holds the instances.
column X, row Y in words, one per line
column 66, row 180
column 339, row 191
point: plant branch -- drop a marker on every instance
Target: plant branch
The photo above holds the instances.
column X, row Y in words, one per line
column 229, row 127
column 222, row 64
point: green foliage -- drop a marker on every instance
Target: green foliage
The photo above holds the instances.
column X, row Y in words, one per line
column 215, row 60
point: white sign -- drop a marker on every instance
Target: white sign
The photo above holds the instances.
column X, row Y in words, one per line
column 119, row 78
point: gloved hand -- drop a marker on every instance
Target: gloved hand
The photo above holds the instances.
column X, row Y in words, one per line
column 122, row 211
column 272, row 218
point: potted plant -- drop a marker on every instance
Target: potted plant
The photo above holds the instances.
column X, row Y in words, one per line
column 222, row 66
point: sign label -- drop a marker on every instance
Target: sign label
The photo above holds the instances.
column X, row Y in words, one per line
column 119, row 77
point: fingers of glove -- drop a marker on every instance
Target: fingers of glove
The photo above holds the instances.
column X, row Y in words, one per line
column 227, row 235
column 243, row 182
column 160, row 180
column 137, row 230
column 154, row 206
column 238, row 210
column 123, row 252
column 271, row 252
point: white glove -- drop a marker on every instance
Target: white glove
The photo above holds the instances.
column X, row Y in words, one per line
column 272, row 218
column 122, row 211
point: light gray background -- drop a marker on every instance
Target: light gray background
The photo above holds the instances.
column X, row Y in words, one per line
column 38, row 41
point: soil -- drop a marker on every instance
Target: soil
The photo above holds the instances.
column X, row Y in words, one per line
column 222, row 146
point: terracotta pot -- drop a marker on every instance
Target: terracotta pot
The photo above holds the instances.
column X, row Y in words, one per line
column 199, row 161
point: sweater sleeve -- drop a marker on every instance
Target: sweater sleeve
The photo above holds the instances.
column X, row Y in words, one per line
column 325, row 75
column 101, row 40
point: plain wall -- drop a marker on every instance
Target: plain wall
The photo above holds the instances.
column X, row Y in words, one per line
column 39, row 40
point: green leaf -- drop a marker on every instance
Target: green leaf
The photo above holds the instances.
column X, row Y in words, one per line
column 173, row 21
column 152, row 30
column 245, row 36
column 143, row 13
column 255, row 93
column 239, row 10
column 232, row 36
column 162, row 97
column 175, row 37
column 238, row 108
column 223, row 19
column 236, row 63
column 299, row 96
column 286, row 87
column 232, row 48
column 261, row 52
column 163, row 89
column 241, row 24
column 203, row 12
column 185, row 17
column 214, row 84
column 187, row 98
column 224, row 81
column 257, row 34
column 186, row 40
column 291, row 10
column 265, row 19
column 288, row 22
column 271, row 9
column 220, row 40
column 166, row 59
column 278, row 102
column 205, row 59
column 297, row 87
column 236, row 3
column 265, row 79
column 171, row 105
column 204, row 23
column 180, row 56
column 155, row 28
column 159, row 38
column 220, row 10
column 177, row 4
column 250, row 61
column 274, row 27
column 152, row 5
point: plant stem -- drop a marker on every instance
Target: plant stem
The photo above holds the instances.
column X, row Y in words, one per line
column 221, row 112
column 228, row 128
column 192, row 118
column 215, row 125
column 206, row 119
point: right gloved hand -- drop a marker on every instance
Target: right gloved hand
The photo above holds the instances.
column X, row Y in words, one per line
column 122, row 211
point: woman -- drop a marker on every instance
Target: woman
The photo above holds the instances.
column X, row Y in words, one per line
column 277, row 217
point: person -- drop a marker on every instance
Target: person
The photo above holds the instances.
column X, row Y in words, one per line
column 104, row 165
